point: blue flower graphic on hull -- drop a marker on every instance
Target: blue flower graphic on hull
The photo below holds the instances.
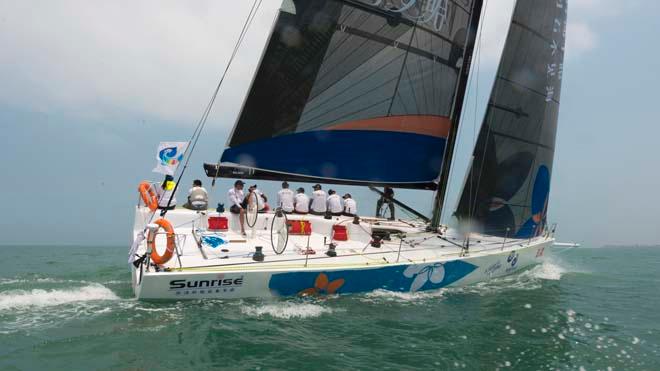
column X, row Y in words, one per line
column 402, row 278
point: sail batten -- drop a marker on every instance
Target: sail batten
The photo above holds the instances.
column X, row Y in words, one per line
column 337, row 80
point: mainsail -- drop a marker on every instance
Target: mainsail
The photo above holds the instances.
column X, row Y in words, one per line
column 506, row 193
column 353, row 92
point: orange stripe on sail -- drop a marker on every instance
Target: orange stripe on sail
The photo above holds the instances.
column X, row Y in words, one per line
column 435, row 126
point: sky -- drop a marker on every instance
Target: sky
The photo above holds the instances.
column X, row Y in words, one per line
column 89, row 89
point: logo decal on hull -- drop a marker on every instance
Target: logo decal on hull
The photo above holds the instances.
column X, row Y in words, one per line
column 193, row 287
column 434, row 273
column 512, row 260
column 539, row 252
column 397, row 278
column 323, row 286
column 493, row 268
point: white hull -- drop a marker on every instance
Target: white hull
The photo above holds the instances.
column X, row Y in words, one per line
column 419, row 261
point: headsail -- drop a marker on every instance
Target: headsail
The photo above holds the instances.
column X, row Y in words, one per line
column 353, row 92
column 507, row 189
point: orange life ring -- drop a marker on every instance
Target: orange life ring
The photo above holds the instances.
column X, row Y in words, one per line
column 148, row 195
column 171, row 242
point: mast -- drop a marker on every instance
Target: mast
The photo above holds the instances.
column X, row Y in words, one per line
column 455, row 116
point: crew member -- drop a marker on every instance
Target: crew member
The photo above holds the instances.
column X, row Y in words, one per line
column 198, row 198
column 317, row 205
column 285, row 198
column 262, row 200
column 237, row 202
column 334, row 203
column 386, row 198
column 301, row 202
column 165, row 192
column 350, row 206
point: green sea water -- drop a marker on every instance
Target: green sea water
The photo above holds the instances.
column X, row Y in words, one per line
column 71, row 308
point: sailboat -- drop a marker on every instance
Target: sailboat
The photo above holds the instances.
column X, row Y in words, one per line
column 370, row 93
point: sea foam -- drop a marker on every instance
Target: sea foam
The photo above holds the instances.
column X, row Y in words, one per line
column 18, row 299
column 286, row 310
column 403, row 297
column 549, row 270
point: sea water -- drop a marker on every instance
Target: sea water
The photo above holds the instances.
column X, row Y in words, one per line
column 66, row 308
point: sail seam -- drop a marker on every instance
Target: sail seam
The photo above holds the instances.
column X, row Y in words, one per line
column 525, row 87
column 498, row 133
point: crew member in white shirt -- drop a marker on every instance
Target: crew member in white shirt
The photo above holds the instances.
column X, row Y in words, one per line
column 285, row 198
column 334, row 203
column 198, row 198
column 301, row 202
column 317, row 205
column 262, row 205
column 350, row 206
column 237, row 202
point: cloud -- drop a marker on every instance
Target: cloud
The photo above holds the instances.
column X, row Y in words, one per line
column 580, row 38
column 583, row 17
column 152, row 59
column 160, row 60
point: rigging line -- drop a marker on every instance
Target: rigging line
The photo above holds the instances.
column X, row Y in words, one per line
column 282, row 101
column 412, row 89
column 253, row 11
column 477, row 54
column 356, row 112
column 320, row 77
column 459, row 129
column 405, row 108
column 405, row 59
column 367, row 76
column 486, row 117
column 421, row 75
column 330, row 53
column 246, row 25
column 348, row 101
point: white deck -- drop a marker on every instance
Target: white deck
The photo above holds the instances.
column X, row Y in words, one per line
column 408, row 244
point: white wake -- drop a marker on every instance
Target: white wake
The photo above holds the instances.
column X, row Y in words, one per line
column 286, row 310
column 19, row 299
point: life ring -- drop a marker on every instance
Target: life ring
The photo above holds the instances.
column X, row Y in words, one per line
column 148, row 195
column 171, row 242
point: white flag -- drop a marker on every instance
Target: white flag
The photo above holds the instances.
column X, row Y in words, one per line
column 169, row 156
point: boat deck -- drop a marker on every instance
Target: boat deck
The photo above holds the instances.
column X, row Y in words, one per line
column 201, row 249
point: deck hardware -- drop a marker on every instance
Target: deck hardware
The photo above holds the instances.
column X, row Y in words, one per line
column 331, row 250
column 258, row 255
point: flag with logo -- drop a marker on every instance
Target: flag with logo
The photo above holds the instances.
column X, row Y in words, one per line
column 169, row 156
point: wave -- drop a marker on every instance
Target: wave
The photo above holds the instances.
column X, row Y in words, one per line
column 286, row 310
column 19, row 299
column 549, row 270
column 404, row 297
column 13, row 281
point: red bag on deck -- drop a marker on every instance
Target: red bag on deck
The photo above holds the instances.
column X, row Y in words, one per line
column 339, row 233
column 218, row 223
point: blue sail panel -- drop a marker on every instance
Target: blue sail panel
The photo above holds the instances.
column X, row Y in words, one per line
column 368, row 156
